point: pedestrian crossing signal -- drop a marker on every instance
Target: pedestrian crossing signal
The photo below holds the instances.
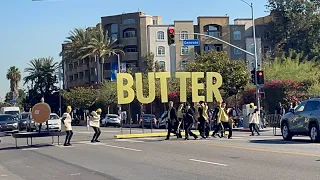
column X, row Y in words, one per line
column 170, row 36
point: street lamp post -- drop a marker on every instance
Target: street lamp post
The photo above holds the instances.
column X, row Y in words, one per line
column 255, row 54
column 119, row 69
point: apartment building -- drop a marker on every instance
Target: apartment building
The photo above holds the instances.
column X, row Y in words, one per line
column 140, row 34
column 158, row 45
column 129, row 30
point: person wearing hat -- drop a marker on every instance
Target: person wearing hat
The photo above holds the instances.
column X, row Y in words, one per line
column 95, row 124
column 66, row 121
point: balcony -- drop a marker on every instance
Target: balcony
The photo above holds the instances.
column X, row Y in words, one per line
column 130, row 56
column 132, row 41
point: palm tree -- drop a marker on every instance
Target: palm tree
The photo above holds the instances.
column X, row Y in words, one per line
column 14, row 75
column 73, row 46
column 42, row 74
column 102, row 47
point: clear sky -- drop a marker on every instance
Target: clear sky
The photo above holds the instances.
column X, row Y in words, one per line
column 33, row 29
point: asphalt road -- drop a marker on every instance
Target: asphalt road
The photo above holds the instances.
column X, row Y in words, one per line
column 243, row 157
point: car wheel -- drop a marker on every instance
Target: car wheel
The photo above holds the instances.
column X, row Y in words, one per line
column 314, row 133
column 286, row 134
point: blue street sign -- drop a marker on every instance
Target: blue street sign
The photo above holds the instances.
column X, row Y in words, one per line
column 114, row 71
column 191, row 42
column 13, row 101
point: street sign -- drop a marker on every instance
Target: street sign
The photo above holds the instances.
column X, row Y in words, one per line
column 191, row 42
column 13, row 101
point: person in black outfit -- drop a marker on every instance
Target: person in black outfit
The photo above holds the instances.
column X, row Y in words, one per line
column 172, row 118
column 188, row 122
column 202, row 121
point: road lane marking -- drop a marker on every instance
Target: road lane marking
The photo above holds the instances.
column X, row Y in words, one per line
column 29, row 149
column 208, row 162
column 260, row 149
column 107, row 145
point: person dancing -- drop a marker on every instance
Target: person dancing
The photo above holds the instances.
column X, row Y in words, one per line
column 66, row 121
column 95, row 124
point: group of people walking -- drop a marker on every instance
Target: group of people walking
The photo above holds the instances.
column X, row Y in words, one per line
column 189, row 116
column 94, row 122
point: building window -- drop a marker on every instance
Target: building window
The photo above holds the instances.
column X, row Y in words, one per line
column 75, row 64
column 183, row 64
column 161, row 51
column 251, row 48
column 81, row 75
column 70, row 66
column 107, row 66
column 213, row 30
column 130, row 49
column 219, row 47
column 70, row 78
column 162, row 64
column 183, row 35
column 86, row 73
column 155, row 22
column 129, row 21
column 237, row 51
column 75, row 76
column 128, row 33
column 114, row 32
column 93, row 71
column 160, row 35
column 237, row 35
column 184, row 50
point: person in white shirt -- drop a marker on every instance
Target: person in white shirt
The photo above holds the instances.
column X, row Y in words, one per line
column 66, row 121
column 253, row 122
column 95, row 124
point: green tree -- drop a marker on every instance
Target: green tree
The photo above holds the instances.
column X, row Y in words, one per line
column 14, row 76
column 296, row 25
column 42, row 76
column 234, row 73
column 22, row 96
column 80, row 97
column 108, row 94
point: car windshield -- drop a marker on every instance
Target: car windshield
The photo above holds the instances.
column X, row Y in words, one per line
column 53, row 116
column 112, row 116
column 12, row 112
column 6, row 118
column 24, row 116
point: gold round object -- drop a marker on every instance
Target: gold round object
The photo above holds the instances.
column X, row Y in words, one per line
column 41, row 112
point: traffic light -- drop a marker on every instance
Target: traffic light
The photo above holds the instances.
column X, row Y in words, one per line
column 260, row 77
column 253, row 77
column 170, row 36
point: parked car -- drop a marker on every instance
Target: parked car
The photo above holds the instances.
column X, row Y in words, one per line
column 30, row 124
column 162, row 121
column 302, row 120
column 148, row 120
column 54, row 123
column 111, row 120
column 8, row 123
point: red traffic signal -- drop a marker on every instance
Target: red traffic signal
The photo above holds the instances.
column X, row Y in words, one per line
column 171, row 36
column 260, row 77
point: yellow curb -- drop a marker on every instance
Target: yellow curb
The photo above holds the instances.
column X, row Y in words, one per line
column 144, row 135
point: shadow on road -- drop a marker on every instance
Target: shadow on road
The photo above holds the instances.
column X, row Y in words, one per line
column 280, row 141
column 24, row 147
